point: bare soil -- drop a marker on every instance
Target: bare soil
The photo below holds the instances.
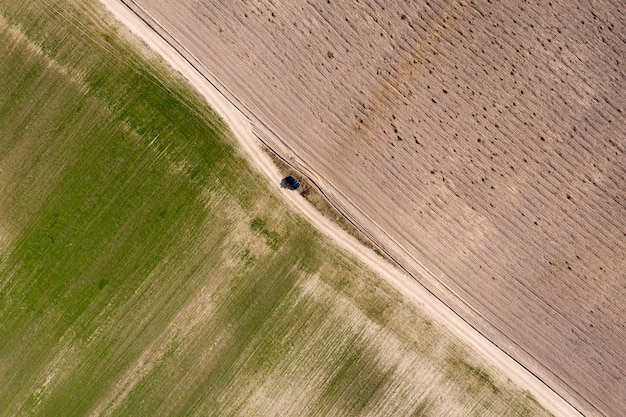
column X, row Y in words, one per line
column 481, row 145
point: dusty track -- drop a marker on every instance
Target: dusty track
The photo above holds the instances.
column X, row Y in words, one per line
column 519, row 216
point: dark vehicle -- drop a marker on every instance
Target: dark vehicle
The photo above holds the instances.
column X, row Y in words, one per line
column 292, row 182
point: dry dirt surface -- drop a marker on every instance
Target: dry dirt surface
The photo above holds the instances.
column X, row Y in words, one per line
column 481, row 144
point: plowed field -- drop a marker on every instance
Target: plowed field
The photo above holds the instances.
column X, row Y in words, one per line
column 483, row 141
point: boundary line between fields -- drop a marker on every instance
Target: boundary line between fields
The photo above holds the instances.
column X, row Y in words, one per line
column 269, row 137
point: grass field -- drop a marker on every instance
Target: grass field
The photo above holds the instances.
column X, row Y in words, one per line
column 145, row 269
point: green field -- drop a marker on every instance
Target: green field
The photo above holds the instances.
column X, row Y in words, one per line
column 146, row 269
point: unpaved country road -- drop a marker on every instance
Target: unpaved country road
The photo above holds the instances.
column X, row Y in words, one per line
column 239, row 120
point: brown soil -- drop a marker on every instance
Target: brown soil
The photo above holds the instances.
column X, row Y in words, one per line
column 482, row 142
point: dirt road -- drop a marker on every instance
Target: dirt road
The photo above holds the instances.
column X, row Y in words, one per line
column 242, row 122
column 483, row 140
